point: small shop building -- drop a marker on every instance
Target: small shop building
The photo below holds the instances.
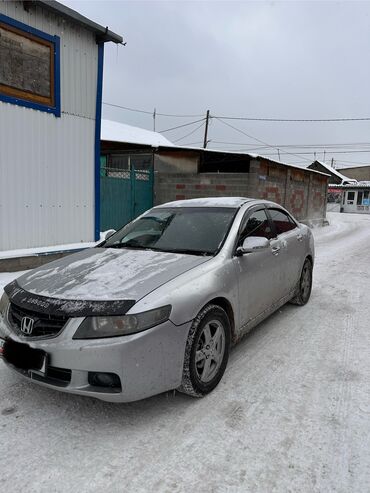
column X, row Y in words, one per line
column 355, row 198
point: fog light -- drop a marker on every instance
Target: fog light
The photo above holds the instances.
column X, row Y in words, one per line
column 99, row 379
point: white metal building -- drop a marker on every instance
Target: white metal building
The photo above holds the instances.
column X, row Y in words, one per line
column 51, row 66
column 356, row 198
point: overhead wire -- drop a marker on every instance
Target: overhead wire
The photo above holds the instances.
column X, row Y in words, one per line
column 188, row 134
column 354, row 162
column 150, row 112
column 256, row 139
column 244, row 118
column 181, row 126
column 280, row 149
column 192, row 143
column 303, row 146
column 330, row 153
column 294, row 120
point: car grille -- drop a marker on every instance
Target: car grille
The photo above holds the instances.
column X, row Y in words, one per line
column 44, row 325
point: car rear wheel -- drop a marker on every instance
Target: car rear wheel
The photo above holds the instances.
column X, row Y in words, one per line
column 305, row 285
column 207, row 351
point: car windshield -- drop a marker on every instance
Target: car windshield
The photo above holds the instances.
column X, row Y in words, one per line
column 192, row 230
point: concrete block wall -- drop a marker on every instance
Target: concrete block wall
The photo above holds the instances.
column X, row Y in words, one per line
column 301, row 192
column 317, row 200
column 179, row 186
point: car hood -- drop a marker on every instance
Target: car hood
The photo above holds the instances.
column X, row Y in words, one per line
column 100, row 274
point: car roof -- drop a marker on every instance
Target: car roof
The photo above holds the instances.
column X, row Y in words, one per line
column 232, row 202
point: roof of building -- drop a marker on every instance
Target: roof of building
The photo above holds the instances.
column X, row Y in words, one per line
column 335, row 172
column 352, row 186
column 348, row 168
column 120, row 132
column 103, row 33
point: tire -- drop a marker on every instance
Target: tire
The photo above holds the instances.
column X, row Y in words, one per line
column 304, row 285
column 205, row 357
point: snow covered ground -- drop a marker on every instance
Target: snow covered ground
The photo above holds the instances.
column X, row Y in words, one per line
column 292, row 412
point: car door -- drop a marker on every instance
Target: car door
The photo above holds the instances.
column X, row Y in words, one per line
column 258, row 272
column 291, row 247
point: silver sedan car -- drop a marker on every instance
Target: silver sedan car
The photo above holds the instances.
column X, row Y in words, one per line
column 157, row 305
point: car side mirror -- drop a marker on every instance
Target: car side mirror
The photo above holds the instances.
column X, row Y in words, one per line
column 108, row 234
column 252, row 244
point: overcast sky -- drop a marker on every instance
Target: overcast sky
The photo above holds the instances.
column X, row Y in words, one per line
column 250, row 59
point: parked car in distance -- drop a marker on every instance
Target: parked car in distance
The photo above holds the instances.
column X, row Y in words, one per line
column 157, row 305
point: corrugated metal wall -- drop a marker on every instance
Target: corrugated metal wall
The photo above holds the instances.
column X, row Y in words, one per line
column 47, row 163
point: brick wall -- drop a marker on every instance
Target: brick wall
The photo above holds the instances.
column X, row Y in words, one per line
column 301, row 192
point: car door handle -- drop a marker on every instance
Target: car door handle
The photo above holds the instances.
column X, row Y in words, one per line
column 299, row 237
column 275, row 250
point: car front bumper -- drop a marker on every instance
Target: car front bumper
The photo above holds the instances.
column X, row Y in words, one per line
column 147, row 363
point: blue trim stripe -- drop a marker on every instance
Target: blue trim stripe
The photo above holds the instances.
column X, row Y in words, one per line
column 24, row 27
column 56, row 110
column 99, row 96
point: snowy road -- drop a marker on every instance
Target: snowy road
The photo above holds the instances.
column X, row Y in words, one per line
column 292, row 413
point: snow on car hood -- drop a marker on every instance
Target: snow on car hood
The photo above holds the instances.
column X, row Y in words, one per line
column 107, row 274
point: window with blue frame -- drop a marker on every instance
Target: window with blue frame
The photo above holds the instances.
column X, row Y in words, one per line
column 29, row 66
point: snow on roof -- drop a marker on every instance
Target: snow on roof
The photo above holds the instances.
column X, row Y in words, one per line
column 357, row 185
column 335, row 172
column 120, row 132
column 358, row 165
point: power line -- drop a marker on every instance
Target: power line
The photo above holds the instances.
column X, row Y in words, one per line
column 255, row 138
column 330, row 153
column 181, row 126
column 190, row 133
column 354, row 162
column 301, row 146
column 245, row 118
column 192, row 143
column 295, row 120
column 150, row 112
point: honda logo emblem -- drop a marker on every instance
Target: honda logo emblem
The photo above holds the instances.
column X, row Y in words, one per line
column 27, row 325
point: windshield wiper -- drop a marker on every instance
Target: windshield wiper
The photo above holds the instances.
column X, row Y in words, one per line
column 128, row 245
column 188, row 251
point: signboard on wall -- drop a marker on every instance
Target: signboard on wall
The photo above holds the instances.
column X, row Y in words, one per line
column 27, row 66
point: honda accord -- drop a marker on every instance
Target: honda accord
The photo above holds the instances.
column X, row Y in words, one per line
column 158, row 304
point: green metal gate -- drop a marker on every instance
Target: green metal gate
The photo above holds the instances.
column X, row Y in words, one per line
column 124, row 194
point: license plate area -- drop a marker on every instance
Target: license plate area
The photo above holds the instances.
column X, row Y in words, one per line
column 23, row 356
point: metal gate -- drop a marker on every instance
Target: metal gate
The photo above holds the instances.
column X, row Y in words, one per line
column 124, row 193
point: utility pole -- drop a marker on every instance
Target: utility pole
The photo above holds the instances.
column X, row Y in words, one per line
column 332, row 162
column 279, row 154
column 324, row 155
column 154, row 113
column 206, row 131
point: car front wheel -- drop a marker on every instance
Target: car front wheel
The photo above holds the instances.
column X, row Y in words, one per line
column 305, row 285
column 207, row 351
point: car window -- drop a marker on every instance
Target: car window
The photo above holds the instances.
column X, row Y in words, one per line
column 257, row 225
column 199, row 230
column 282, row 221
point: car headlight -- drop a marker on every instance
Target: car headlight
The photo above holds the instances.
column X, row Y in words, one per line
column 97, row 327
column 4, row 303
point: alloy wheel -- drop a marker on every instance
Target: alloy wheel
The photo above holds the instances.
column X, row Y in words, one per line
column 210, row 350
